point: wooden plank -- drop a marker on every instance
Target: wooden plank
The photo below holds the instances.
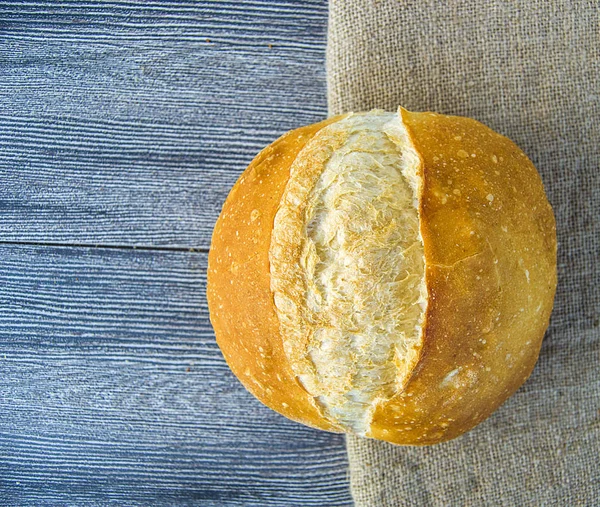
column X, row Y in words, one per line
column 112, row 389
column 126, row 123
column 121, row 124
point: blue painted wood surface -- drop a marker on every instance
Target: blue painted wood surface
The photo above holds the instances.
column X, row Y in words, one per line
column 122, row 129
column 127, row 125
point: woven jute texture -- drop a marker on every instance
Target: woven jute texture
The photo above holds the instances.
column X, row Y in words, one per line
column 530, row 70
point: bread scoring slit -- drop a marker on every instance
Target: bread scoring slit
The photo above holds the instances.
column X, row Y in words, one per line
column 347, row 266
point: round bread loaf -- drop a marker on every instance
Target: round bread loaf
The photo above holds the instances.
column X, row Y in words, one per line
column 388, row 275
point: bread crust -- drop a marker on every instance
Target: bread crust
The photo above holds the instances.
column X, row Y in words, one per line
column 241, row 305
column 490, row 253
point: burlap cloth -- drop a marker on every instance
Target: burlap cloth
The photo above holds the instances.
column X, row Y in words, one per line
column 530, row 70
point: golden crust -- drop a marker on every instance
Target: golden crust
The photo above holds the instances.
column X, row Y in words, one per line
column 241, row 304
column 490, row 254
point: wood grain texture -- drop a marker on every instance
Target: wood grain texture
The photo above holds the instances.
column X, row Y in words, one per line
column 126, row 123
column 114, row 390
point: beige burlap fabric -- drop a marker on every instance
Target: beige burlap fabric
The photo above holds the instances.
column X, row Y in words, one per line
column 530, row 70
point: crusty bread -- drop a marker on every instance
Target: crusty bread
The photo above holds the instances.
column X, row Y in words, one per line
column 389, row 275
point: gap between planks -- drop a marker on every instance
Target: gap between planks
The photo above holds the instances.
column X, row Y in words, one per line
column 111, row 247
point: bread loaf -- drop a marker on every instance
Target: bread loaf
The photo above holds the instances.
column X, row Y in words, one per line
column 385, row 274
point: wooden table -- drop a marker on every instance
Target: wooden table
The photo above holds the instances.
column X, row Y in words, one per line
column 122, row 127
